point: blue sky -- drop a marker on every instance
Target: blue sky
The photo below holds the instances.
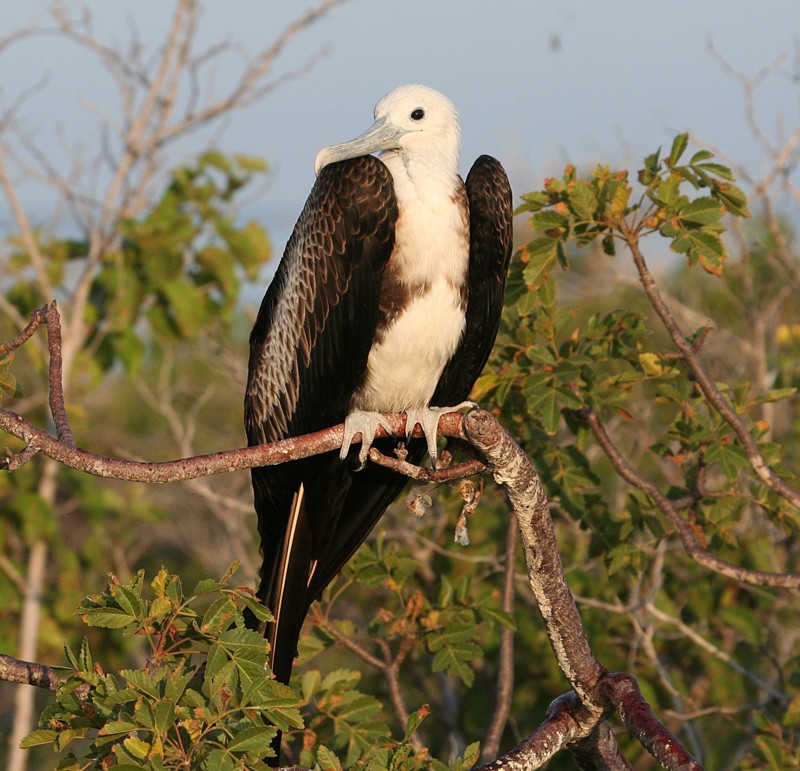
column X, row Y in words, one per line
column 537, row 84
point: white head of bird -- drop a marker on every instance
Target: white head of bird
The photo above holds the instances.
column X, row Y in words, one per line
column 414, row 124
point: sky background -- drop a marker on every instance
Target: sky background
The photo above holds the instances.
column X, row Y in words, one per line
column 537, row 84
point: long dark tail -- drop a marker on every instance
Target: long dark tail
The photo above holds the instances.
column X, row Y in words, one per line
column 313, row 515
column 285, row 593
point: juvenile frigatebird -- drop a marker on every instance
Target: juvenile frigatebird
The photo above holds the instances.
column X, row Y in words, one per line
column 387, row 300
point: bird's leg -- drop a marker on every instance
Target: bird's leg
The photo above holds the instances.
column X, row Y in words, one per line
column 428, row 420
column 366, row 424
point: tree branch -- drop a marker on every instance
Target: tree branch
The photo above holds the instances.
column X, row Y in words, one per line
column 707, row 385
column 685, row 531
column 505, row 669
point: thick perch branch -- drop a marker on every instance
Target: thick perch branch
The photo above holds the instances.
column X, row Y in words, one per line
column 575, row 720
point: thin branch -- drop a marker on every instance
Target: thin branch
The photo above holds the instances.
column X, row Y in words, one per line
column 624, row 693
column 431, row 475
column 707, row 385
column 58, row 409
column 505, row 669
column 685, row 531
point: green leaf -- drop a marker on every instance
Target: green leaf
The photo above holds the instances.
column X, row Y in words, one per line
column 700, row 155
column 542, row 397
column 206, row 586
column 220, row 614
column 129, row 600
column 542, row 258
column 714, row 168
column 414, row 720
column 548, row 220
column 701, row 212
column 327, row 760
column 137, row 747
column 255, row 739
column 731, row 458
column 582, row 200
column 679, row 145
column 108, row 618
column 114, row 727
column 36, row 738
column 709, row 249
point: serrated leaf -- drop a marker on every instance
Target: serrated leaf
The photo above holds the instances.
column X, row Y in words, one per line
column 255, row 739
column 701, row 212
column 414, row 720
column 700, row 155
column 731, row 458
column 38, row 737
column 454, row 659
column 340, row 679
column 715, row 168
column 542, row 261
column 206, row 586
column 548, row 220
column 137, row 747
column 220, row 760
column 582, row 200
column 220, row 613
column 327, row 760
column 709, row 249
column 542, row 399
column 108, row 618
column 113, row 727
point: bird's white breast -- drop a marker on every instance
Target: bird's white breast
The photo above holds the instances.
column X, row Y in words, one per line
column 430, row 260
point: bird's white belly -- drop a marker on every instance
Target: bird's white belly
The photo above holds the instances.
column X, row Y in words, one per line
column 405, row 366
column 430, row 264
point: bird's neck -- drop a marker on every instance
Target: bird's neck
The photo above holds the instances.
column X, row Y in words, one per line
column 423, row 177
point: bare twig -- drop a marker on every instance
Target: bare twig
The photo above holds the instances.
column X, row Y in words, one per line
column 433, row 475
column 706, row 383
column 505, row 669
column 685, row 531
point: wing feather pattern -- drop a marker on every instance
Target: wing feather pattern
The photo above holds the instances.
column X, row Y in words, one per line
column 308, row 354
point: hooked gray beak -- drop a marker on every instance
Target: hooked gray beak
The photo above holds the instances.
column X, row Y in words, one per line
column 381, row 135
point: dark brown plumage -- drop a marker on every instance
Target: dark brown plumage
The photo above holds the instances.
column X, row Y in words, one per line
column 308, row 356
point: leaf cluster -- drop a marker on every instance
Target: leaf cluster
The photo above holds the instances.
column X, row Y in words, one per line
column 607, row 208
column 204, row 699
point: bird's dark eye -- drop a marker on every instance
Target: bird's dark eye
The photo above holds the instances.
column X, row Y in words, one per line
column 418, row 114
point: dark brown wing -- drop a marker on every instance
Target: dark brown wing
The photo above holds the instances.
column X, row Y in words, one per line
column 308, row 354
column 491, row 242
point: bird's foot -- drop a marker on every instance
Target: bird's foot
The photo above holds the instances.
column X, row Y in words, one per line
column 428, row 420
column 366, row 424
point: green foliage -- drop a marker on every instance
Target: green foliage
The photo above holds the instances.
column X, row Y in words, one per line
column 204, row 699
column 562, row 356
column 180, row 266
column 601, row 208
column 554, row 365
column 433, row 628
